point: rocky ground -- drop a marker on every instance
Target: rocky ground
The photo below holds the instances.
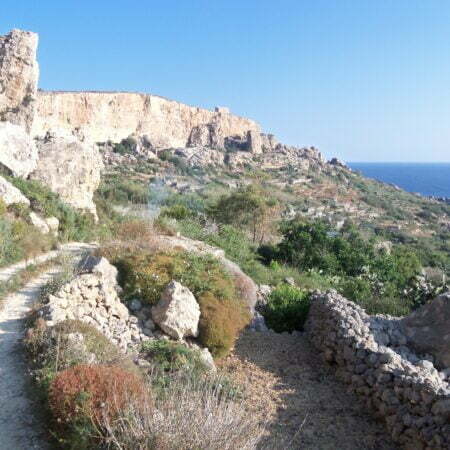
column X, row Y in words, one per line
column 306, row 407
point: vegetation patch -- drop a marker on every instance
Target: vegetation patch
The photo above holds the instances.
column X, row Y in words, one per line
column 287, row 308
column 145, row 275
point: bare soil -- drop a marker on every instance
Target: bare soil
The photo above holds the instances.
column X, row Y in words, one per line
column 305, row 406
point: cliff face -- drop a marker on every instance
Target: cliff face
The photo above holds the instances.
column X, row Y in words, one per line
column 102, row 116
column 19, row 74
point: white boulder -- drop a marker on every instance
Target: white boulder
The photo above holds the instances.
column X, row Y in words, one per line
column 10, row 194
column 17, row 150
column 177, row 313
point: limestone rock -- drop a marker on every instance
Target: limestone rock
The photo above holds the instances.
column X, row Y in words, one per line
column 70, row 168
column 103, row 116
column 428, row 329
column 254, row 142
column 39, row 223
column 91, row 296
column 17, row 150
column 201, row 157
column 19, row 75
column 53, row 224
column 177, row 313
column 200, row 136
column 10, row 194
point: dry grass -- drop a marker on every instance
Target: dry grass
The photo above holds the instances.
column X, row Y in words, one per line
column 185, row 417
column 22, row 278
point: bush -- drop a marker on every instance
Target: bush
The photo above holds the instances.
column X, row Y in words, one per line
column 126, row 146
column 83, row 397
column 3, row 207
column 121, row 190
column 169, row 356
column 189, row 417
column 73, row 225
column 145, row 275
column 221, row 320
column 287, row 309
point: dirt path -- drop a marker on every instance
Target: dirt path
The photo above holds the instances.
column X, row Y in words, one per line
column 19, row 427
column 306, row 406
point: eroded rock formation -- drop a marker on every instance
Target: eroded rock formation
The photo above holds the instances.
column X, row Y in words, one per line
column 103, row 116
column 70, row 168
column 18, row 152
column 19, row 73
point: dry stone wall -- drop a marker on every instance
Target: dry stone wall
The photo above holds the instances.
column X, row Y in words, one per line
column 370, row 354
column 92, row 298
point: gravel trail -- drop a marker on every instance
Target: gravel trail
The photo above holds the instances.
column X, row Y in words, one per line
column 305, row 405
column 20, row 429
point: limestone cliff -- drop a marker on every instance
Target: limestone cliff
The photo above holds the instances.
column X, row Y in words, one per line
column 103, row 116
column 19, row 74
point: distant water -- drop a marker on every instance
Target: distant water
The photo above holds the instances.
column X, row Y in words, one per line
column 424, row 178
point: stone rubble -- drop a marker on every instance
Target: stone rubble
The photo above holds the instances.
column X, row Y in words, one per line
column 371, row 355
column 92, row 297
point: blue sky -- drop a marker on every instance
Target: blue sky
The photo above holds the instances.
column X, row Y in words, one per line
column 364, row 80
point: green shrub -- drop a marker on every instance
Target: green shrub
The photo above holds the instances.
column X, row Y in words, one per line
column 177, row 212
column 221, row 320
column 3, row 207
column 125, row 146
column 20, row 210
column 73, row 225
column 122, row 190
column 169, row 356
column 145, row 276
column 287, row 308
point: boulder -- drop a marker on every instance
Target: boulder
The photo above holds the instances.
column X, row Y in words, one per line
column 17, row 150
column 39, row 223
column 53, row 224
column 9, row 194
column 428, row 329
column 70, row 168
column 177, row 313
column 19, row 73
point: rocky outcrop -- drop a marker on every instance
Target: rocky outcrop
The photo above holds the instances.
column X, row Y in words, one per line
column 9, row 194
column 70, row 168
column 177, row 313
column 201, row 157
column 91, row 297
column 19, row 74
column 370, row 354
column 18, row 152
column 428, row 329
column 103, row 116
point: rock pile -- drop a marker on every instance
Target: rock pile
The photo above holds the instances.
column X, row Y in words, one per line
column 92, row 298
column 371, row 355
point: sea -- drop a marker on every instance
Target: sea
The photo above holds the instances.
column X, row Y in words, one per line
column 429, row 179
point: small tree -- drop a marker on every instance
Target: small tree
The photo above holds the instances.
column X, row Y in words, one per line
column 248, row 207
